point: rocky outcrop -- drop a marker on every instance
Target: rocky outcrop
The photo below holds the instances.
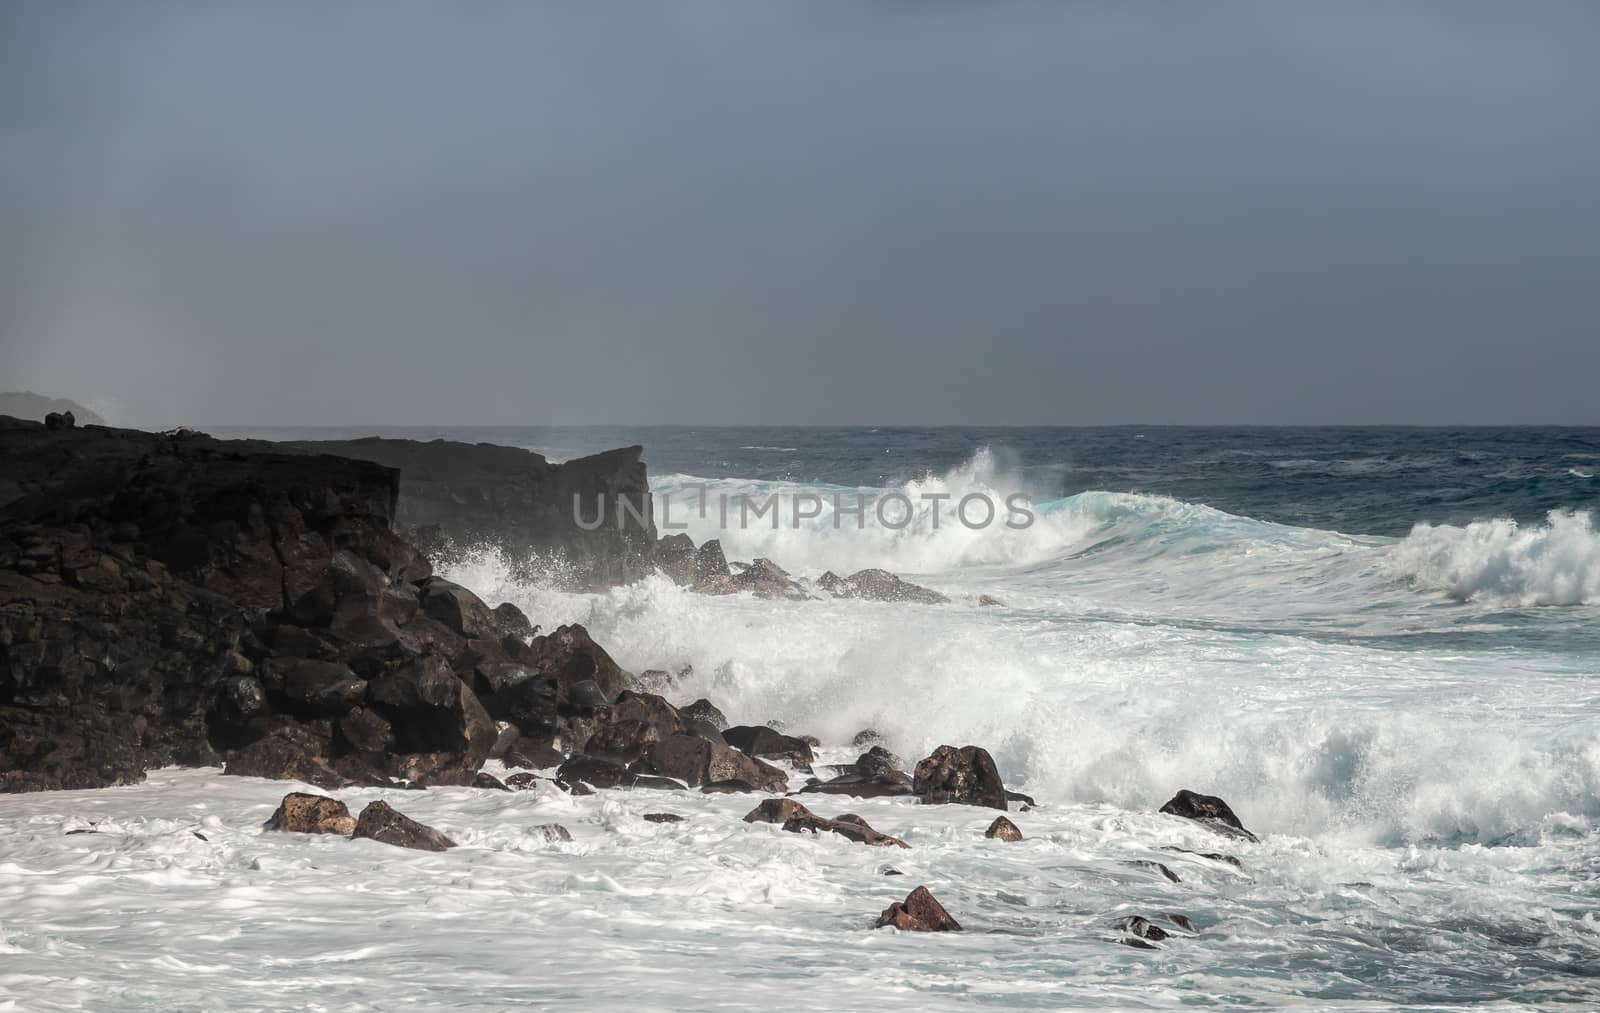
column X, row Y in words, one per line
column 456, row 496
column 919, row 912
column 1209, row 811
column 174, row 599
column 24, row 404
column 966, row 775
column 796, row 818
column 383, row 824
column 312, row 814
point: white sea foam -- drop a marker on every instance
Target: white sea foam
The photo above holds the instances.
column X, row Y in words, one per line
column 1556, row 563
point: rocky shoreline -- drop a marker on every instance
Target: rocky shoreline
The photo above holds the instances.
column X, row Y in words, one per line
column 172, row 599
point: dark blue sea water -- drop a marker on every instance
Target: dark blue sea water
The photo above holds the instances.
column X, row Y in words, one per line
column 1357, row 480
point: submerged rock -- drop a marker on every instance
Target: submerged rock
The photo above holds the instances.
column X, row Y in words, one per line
column 381, row 823
column 1002, row 829
column 879, row 585
column 304, row 813
column 967, row 776
column 553, row 833
column 1208, row 810
column 919, row 912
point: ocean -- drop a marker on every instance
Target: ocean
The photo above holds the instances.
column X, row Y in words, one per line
column 1380, row 646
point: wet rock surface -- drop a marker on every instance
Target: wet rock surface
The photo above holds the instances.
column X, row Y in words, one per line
column 919, row 912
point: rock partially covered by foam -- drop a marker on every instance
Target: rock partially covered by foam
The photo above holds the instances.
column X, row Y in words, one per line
column 1208, row 810
column 919, row 912
column 379, row 822
column 967, row 776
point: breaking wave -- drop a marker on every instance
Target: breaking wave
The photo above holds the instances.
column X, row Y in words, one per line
column 1501, row 561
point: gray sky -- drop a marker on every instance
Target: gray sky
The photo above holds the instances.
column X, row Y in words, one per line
column 748, row 211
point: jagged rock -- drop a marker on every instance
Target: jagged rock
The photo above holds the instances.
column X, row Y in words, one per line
column 432, row 711
column 705, row 730
column 919, row 912
column 966, row 775
column 770, row 744
column 303, row 813
column 704, row 710
column 571, row 655
column 696, row 761
column 778, row 810
column 878, row 761
column 881, row 585
column 510, row 621
column 457, row 608
column 1002, row 829
column 1208, row 810
column 381, row 823
column 1141, row 928
column 710, row 565
column 322, row 688
column 674, row 557
column 762, row 578
column 363, row 730
column 459, row 495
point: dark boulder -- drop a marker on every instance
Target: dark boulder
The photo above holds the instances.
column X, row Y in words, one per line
column 710, row 565
column 878, row 761
column 919, row 912
column 461, row 611
column 553, row 833
column 966, row 775
column 778, row 810
column 769, row 744
column 1141, row 928
column 381, row 823
column 312, row 814
column 432, row 711
column 510, row 621
column 1002, row 829
column 662, row 818
column 674, row 557
column 1208, row 810
column 288, row 754
column 322, row 688
column 696, row 761
column 571, row 655
column 704, row 710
